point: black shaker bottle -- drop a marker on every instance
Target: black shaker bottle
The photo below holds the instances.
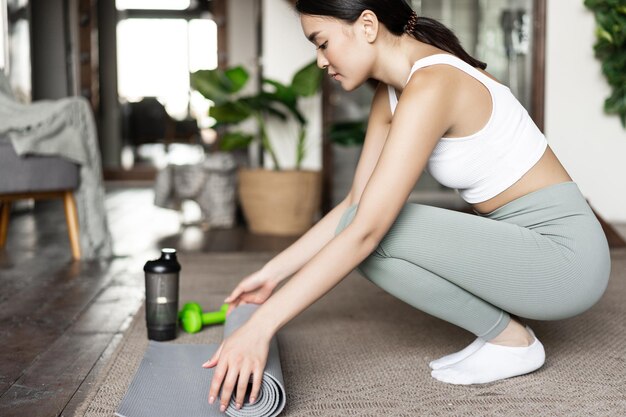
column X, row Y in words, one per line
column 162, row 277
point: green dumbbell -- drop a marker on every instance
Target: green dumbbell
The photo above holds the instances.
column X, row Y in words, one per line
column 192, row 318
column 192, row 305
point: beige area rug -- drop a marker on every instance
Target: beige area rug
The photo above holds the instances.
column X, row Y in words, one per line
column 360, row 352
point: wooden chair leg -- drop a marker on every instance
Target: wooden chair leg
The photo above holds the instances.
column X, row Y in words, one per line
column 5, row 211
column 71, row 215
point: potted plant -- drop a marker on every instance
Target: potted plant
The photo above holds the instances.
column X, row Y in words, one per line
column 274, row 201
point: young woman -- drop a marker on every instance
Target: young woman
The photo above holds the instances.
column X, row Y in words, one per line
column 534, row 249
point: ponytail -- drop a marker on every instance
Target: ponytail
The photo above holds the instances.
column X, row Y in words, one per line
column 434, row 33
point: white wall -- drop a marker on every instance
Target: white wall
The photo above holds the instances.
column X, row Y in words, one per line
column 241, row 38
column 242, row 50
column 590, row 144
column 285, row 50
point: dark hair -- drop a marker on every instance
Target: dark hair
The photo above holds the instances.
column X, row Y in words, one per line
column 395, row 15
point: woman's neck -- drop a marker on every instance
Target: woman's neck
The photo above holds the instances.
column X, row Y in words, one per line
column 395, row 60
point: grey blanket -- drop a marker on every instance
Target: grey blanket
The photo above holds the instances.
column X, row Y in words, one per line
column 64, row 128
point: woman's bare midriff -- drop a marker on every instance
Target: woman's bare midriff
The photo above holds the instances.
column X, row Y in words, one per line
column 547, row 171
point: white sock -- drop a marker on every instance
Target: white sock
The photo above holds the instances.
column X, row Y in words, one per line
column 493, row 362
column 458, row 356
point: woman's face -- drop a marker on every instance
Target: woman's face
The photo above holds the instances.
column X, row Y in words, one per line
column 341, row 49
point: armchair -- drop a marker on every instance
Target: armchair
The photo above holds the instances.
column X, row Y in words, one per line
column 37, row 177
column 49, row 149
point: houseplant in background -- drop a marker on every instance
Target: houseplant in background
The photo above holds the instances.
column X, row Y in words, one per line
column 274, row 201
column 610, row 48
column 346, row 137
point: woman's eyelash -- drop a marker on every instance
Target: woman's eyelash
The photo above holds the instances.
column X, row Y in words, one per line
column 323, row 46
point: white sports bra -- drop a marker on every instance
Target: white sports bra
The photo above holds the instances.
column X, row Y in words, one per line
column 482, row 165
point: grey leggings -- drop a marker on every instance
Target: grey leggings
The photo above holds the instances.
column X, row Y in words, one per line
column 542, row 256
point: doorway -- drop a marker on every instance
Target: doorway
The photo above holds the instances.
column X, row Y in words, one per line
column 159, row 43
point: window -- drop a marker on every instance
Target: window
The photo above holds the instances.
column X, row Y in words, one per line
column 15, row 47
column 152, row 4
column 155, row 57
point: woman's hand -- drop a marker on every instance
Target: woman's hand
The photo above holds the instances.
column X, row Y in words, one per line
column 255, row 288
column 241, row 355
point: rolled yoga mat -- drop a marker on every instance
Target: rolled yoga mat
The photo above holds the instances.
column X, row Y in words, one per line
column 171, row 381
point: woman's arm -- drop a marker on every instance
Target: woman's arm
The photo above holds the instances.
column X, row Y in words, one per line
column 299, row 253
column 421, row 119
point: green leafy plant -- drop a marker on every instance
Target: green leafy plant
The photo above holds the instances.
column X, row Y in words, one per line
column 348, row 133
column 610, row 48
column 274, row 100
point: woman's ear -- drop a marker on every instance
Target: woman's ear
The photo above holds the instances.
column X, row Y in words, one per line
column 369, row 23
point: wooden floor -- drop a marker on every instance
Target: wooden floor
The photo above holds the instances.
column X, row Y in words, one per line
column 61, row 320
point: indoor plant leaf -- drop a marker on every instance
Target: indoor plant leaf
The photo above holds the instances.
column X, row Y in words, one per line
column 218, row 85
column 221, row 87
column 306, row 82
column 230, row 112
column 263, row 104
column 286, row 96
column 234, row 140
column 281, row 92
column 348, row 133
column 610, row 48
column 238, row 77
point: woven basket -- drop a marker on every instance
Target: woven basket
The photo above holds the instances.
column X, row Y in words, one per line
column 279, row 202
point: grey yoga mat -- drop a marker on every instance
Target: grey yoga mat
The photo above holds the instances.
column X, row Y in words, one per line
column 171, row 381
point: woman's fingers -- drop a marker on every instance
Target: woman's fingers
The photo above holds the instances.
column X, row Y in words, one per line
column 234, row 305
column 216, row 382
column 227, row 388
column 244, row 286
column 242, row 386
column 233, row 295
column 211, row 362
column 243, row 353
column 231, row 307
column 239, row 289
column 257, row 377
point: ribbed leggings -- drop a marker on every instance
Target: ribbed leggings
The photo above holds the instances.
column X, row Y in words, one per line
column 542, row 256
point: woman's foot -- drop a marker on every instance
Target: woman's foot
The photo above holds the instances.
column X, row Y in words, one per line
column 513, row 352
column 513, row 335
column 457, row 356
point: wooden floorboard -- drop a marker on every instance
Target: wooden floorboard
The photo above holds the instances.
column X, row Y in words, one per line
column 43, row 314
column 52, row 379
column 61, row 320
column 83, row 390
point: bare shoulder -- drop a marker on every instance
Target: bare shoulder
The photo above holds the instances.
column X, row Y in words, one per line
column 455, row 98
column 438, row 78
column 430, row 98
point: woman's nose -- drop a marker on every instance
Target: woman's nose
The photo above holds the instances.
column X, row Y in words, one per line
column 322, row 62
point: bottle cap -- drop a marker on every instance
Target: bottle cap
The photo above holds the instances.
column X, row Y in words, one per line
column 166, row 264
